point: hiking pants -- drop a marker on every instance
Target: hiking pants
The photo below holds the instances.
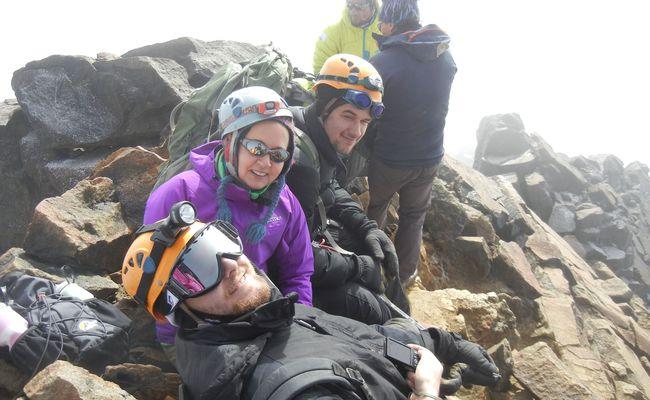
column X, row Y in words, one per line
column 414, row 188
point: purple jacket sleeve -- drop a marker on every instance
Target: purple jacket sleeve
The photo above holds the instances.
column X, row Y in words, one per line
column 294, row 257
column 162, row 199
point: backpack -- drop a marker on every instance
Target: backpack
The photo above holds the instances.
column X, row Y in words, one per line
column 193, row 122
column 90, row 333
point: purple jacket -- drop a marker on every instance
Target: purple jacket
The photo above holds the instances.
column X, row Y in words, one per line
column 286, row 246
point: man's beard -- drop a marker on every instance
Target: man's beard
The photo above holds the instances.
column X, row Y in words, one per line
column 259, row 297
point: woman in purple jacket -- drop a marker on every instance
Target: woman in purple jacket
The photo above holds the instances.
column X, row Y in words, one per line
column 241, row 179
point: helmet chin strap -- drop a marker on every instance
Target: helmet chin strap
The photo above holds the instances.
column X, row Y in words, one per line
column 231, row 157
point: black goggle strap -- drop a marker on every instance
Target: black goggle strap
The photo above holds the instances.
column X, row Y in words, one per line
column 147, row 275
column 365, row 82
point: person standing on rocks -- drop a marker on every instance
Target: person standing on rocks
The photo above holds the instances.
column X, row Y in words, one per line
column 351, row 35
column 350, row 251
column 241, row 180
column 407, row 143
column 239, row 338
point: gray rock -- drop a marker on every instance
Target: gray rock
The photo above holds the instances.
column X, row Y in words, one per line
column 617, row 290
column 502, row 356
column 75, row 102
column 594, row 252
column 602, row 270
column 560, row 175
column 616, row 258
column 591, row 217
column 63, row 174
column 603, row 195
column 576, row 245
column 513, row 268
column 562, row 219
column 538, row 196
column 475, row 250
column 16, row 200
column 590, row 169
column 636, row 176
column 616, row 233
column 134, row 171
column 200, row 59
column 83, row 227
column 143, row 381
column 612, row 168
column 501, row 139
column 544, row 374
column 62, row 380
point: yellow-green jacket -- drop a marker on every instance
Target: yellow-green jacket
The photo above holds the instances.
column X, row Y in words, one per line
column 343, row 37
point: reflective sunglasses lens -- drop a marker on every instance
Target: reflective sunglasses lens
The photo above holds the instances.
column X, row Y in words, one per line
column 279, row 155
column 255, row 147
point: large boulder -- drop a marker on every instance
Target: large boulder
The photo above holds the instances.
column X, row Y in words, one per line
column 482, row 317
column 134, row 171
column 544, row 374
column 15, row 197
column 83, row 227
column 503, row 146
column 200, row 59
column 62, row 380
column 77, row 102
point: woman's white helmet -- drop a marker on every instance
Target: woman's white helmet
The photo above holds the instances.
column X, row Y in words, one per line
column 248, row 106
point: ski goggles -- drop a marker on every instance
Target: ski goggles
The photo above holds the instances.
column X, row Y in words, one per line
column 199, row 267
column 357, row 6
column 259, row 149
column 363, row 101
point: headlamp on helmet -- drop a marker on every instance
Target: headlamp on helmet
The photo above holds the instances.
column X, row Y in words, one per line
column 177, row 258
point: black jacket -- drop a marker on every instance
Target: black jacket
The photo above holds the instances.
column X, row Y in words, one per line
column 233, row 360
column 307, row 182
column 417, row 70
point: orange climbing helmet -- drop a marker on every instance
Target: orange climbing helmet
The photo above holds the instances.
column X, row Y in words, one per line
column 177, row 258
column 347, row 71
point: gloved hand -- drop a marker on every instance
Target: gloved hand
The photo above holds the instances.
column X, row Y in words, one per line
column 382, row 249
column 368, row 273
column 451, row 348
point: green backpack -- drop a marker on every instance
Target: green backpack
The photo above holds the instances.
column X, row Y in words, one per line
column 192, row 122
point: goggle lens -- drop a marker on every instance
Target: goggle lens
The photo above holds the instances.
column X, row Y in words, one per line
column 363, row 101
column 259, row 149
column 199, row 268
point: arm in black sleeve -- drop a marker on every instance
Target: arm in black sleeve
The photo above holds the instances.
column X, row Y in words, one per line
column 303, row 180
column 348, row 212
column 331, row 268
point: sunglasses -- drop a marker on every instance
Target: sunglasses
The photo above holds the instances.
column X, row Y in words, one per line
column 363, row 101
column 199, row 268
column 358, row 6
column 259, row 149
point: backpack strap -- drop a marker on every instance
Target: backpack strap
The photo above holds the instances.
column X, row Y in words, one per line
column 291, row 379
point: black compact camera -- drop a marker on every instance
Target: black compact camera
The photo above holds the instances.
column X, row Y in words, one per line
column 401, row 355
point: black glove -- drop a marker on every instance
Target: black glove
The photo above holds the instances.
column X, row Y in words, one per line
column 382, row 249
column 451, row 348
column 368, row 273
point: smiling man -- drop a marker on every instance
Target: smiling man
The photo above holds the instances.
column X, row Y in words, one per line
column 350, row 252
column 239, row 338
column 351, row 35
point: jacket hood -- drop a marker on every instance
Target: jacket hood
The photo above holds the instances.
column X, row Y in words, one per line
column 345, row 18
column 202, row 159
column 425, row 44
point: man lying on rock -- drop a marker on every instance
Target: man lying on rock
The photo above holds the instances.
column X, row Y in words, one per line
column 240, row 338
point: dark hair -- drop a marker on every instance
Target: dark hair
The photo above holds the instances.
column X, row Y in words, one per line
column 407, row 26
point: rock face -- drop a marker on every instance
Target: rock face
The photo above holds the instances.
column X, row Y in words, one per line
column 83, row 227
column 62, row 380
column 547, row 286
column 72, row 112
column 200, row 59
column 541, row 259
column 597, row 201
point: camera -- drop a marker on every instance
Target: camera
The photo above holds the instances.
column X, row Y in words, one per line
column 401, row 355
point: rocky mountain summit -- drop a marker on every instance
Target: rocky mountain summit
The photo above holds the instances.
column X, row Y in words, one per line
column 541, row 258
